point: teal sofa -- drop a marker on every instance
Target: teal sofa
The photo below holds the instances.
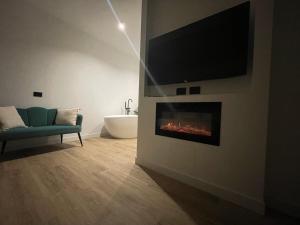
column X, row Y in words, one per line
column 40, row 122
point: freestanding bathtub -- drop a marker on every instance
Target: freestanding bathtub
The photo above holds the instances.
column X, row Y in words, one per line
column 122, row 126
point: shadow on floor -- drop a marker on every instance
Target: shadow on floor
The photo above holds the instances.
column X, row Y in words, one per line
column 200, row 205
column 23, row 153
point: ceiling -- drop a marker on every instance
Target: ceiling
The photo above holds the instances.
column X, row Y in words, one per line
column 95, row 18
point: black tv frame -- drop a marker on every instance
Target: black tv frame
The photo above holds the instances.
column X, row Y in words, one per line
column 184, row 79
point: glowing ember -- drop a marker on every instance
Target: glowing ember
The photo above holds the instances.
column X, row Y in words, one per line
column 187, row 128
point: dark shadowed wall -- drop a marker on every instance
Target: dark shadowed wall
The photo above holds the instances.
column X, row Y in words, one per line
column 283, row 154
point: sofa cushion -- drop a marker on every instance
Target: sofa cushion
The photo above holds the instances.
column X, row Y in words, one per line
column 37, row 116
column 66, row 116
column 19, row 133
column 10, row 118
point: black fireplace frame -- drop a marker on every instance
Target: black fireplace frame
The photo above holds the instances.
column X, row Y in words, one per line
column 214, row 108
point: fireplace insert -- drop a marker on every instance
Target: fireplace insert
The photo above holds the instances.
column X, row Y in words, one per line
column 193, row 121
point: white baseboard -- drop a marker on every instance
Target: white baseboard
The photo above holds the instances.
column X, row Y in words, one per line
column 223, row 193
column 42, row 141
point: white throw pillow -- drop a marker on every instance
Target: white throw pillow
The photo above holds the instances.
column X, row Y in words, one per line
column 10, row 118
column 66, row 116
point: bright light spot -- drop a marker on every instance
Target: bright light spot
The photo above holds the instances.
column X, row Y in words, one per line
column 121, row 26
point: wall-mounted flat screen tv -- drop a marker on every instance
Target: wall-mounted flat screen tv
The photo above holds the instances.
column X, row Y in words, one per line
column 213, row 48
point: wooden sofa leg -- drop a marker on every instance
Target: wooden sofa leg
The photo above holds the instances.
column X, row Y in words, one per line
column 61, row 138
column 80, row 139
column 3, row 147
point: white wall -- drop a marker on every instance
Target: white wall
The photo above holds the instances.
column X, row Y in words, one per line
column 234, row 170
column 43, row 49
column 282, row 171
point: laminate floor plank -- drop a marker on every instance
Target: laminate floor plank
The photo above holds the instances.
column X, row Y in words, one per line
column 99, row 184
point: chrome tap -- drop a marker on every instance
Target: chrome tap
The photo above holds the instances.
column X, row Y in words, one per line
column 127, row 107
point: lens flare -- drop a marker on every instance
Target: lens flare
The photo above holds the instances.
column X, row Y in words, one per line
column 136, row 52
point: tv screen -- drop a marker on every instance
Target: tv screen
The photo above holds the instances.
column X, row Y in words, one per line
column 213, row 48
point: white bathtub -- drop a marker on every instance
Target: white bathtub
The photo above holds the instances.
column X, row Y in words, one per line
column 122, row 126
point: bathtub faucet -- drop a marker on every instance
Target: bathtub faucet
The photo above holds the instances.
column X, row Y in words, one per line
column 127, row 107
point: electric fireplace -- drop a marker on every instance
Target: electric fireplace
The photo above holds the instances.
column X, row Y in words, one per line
column 193, row 121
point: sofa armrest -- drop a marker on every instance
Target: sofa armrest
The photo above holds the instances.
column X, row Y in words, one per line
column 79, row 119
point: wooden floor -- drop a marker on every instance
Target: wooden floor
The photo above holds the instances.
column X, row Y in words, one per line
column 100, row 184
